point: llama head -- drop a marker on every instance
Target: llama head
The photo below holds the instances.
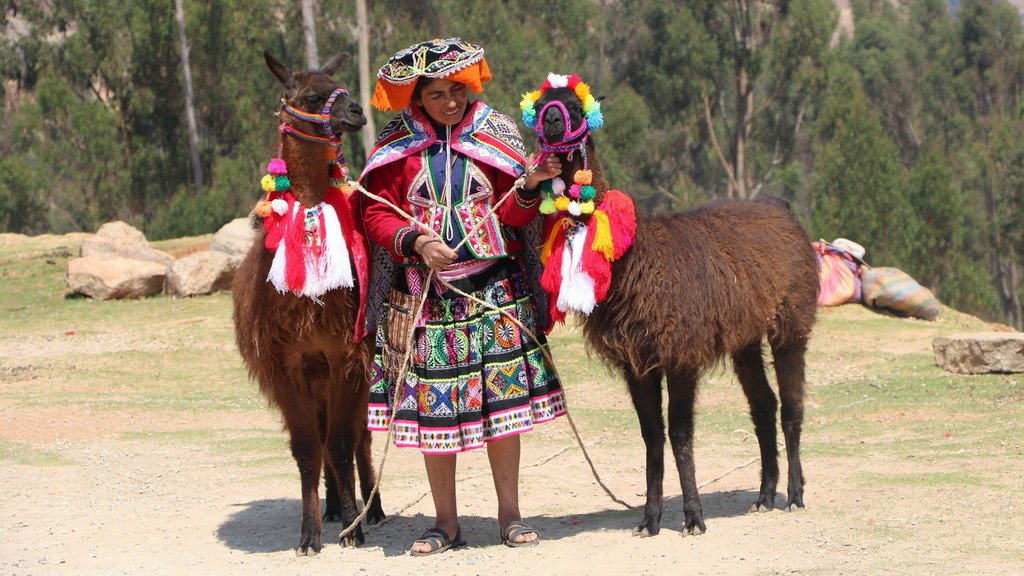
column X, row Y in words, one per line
column 321, row 101
column 563, row 113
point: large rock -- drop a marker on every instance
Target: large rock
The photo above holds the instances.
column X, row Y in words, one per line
column 234, row 239
column 199, row 273
column 980, row 353
column 119, row 240
column 115, row 278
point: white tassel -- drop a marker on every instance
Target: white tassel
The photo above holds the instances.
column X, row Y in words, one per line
column 577, row 289
column 333, row 269
column 558, row 80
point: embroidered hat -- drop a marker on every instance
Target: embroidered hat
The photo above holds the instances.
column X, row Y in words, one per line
column 450, row 58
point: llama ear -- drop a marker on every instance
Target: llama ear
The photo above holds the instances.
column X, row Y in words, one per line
column 283, row 74
column 334, row 63
column 599, row 98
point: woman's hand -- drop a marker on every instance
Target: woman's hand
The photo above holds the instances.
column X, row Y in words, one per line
column 549, row 168
column 435, row 254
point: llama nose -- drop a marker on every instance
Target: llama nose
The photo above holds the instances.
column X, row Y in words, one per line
column 553, row 120
column 355, row 108
column 554, row 126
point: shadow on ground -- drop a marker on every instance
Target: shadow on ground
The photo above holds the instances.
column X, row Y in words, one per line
column 272, row 525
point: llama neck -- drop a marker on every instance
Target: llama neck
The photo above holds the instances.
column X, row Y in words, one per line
column 307, row 168
column 593, row 163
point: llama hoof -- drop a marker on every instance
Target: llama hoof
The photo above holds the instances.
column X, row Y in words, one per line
column 331, row 517
column 308, row 549
column 694, row 528
column 760, row 507
column 646, row 531
column 793, row 507
column 352, row 539
column 376, row 514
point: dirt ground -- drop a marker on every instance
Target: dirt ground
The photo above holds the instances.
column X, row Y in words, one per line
column 147, row 492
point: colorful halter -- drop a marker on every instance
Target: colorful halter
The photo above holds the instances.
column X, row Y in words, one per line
column 323, row 118
column 572, row 138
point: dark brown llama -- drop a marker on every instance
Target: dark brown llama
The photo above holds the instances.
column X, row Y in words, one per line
column 693, row 288
column 301, row 345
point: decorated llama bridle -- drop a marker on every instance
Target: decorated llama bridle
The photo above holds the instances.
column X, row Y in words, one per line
column 582, row 240
column 309, row 244
column 579, row 198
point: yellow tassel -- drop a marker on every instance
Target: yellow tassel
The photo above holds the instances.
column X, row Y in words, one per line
column 603, row 241
column 549, row 244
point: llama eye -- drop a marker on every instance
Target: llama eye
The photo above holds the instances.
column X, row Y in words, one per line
column 313, row 98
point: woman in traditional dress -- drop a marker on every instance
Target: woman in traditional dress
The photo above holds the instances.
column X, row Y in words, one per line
column 476, row 378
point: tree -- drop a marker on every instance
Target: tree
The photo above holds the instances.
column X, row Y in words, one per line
column 190, row 112
column 858, row 189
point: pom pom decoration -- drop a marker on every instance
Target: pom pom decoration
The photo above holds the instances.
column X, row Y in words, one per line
column 583, row 177
column 587, row 192
column 527, row 106
column 595, row 119
column 267, row 182
column 574, row 191
column 530, row 118
column 282, row 183
column 587, row 207
column 277, row 166
column 574, row 208
column 547, row 206
column 557, row 186
column 263, row 209
column 561, row 203
column 279, row 206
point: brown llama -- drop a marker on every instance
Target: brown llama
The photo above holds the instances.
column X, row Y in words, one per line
column 692, row 288
column 296, row 301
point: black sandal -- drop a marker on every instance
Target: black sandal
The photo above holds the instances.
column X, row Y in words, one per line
column 515, row 529
column 438, row 541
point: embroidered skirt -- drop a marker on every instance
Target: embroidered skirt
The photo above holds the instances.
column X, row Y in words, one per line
column 474, row 375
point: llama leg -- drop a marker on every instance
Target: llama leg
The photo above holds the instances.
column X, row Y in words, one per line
column 789, row 369
column 363, row 438
column 332, row 508
column 300, row 420
column 682, row 390
column 367, row 477
column 646, row 394
column 749, row 366
column 340, row 456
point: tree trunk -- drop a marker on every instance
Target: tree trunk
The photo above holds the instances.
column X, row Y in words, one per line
column 369, row 132
column 190, row 113
column 1004, row 262
column 309, row 34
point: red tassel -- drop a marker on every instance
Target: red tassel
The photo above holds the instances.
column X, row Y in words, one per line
column 551, row 278
column 621, row 220
column 596, row 266
column 294, row 245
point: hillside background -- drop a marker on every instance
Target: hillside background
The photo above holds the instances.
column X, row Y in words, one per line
column 895, row 124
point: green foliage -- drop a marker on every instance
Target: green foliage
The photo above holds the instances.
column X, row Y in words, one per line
column 906, row 137
column 20, row 208
column 858, row 190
